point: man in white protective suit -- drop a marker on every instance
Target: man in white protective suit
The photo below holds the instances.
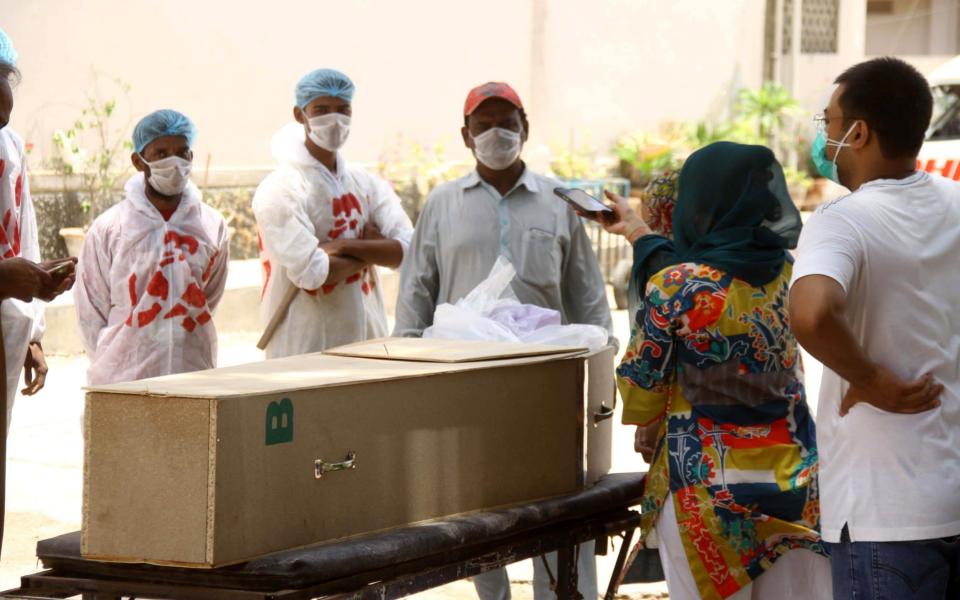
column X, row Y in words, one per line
column 325, row 226
column 153, row 267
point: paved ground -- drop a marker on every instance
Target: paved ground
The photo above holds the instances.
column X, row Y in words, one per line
column 44, row 472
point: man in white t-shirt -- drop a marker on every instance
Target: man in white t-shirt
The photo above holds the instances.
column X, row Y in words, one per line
column 876, row 298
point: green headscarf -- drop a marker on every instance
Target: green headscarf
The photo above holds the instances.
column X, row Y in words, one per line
column 734, row 212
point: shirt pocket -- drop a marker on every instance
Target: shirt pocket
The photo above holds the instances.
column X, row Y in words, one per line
column 539, row 258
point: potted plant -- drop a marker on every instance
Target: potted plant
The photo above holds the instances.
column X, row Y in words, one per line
column 92, row 173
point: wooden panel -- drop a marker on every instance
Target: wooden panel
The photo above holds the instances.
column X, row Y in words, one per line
column 145, row 478
column 425, row 448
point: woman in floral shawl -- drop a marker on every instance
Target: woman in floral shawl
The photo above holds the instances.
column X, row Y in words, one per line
column 712, row 380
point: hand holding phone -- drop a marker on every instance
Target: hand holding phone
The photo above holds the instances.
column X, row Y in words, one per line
column 584, row 203
column 63, row 272
column 61, row 268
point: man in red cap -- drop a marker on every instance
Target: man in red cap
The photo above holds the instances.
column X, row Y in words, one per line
column 502, row 209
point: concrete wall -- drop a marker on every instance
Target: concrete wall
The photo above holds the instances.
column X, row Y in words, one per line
column 596, row 67
column 615, row 65
column 857, row 29
column 816, row 72
column 915, row 27
column 906, row 30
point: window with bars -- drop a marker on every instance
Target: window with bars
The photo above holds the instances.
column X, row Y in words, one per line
column 818, row 27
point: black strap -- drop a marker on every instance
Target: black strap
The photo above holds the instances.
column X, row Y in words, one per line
column 553, row 580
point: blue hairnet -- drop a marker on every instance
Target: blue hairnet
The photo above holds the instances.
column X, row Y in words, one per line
column 323, row 82
column 7, row 52
column 160, row 123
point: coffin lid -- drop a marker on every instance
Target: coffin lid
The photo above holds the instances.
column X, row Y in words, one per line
column 381, row 359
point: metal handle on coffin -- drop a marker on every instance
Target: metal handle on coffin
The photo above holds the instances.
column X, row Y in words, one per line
column 603, row 414
column 320, row 467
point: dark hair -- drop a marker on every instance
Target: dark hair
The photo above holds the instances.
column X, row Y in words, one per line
column 10, row 73
column 893, row 98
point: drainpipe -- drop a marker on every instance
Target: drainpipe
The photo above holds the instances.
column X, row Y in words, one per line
column 777, row 60
column 796, row 46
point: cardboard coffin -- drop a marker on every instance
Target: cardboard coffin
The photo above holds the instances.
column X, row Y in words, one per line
column 216, row 467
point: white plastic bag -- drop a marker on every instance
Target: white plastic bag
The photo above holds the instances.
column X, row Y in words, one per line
column 469, row 318
column 493, row 291
column 524, row 318
column 454, row 322
column 592, row 337
column 492, row 312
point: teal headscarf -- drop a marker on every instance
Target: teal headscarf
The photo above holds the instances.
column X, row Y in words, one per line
column 733, row 213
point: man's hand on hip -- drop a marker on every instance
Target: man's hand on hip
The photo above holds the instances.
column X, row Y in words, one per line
column 888, row 392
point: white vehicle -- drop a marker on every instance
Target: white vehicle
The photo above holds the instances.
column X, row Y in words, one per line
column 941, row 150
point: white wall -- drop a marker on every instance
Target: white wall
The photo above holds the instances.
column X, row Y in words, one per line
column 905, row 31
column 817, row 71
column 916, row 27
column 605, row 66
column 944, row 27
column 623, row 64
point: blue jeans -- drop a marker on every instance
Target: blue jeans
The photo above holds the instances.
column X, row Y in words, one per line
column 915, row 570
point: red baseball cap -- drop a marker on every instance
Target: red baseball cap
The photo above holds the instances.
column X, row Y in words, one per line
column 492, row 89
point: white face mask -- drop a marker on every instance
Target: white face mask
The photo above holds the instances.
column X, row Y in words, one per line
column 169, row 175
column 329, row 131
column 497, row 148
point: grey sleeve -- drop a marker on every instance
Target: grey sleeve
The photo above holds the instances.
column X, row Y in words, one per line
column 419, row 277
column 583, row 288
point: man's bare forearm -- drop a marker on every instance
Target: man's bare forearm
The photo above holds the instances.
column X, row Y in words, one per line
column 385, row 253
column 342, row 267
column 817, row 306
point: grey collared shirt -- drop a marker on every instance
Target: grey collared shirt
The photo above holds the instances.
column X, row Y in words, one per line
column 466, row 224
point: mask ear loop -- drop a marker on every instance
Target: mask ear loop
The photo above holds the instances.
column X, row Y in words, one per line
column 841, row 144
column 849, row 131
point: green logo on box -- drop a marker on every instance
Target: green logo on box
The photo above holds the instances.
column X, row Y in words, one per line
column 280, row 422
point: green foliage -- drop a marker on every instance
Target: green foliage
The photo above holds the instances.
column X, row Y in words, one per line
column 760, row 116
column 767, row 107
column 236, row 206
column 584, row 164
column 704, row 132
column 95, row 149
column 643, row 155
column 797, row 179
column 414, row 169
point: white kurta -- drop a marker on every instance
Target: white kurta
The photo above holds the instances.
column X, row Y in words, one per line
column 300, row 205
column 147, row 288
column 22, row 321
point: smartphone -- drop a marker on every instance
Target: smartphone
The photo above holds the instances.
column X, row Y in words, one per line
column 64, row 267
column 582, row 201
